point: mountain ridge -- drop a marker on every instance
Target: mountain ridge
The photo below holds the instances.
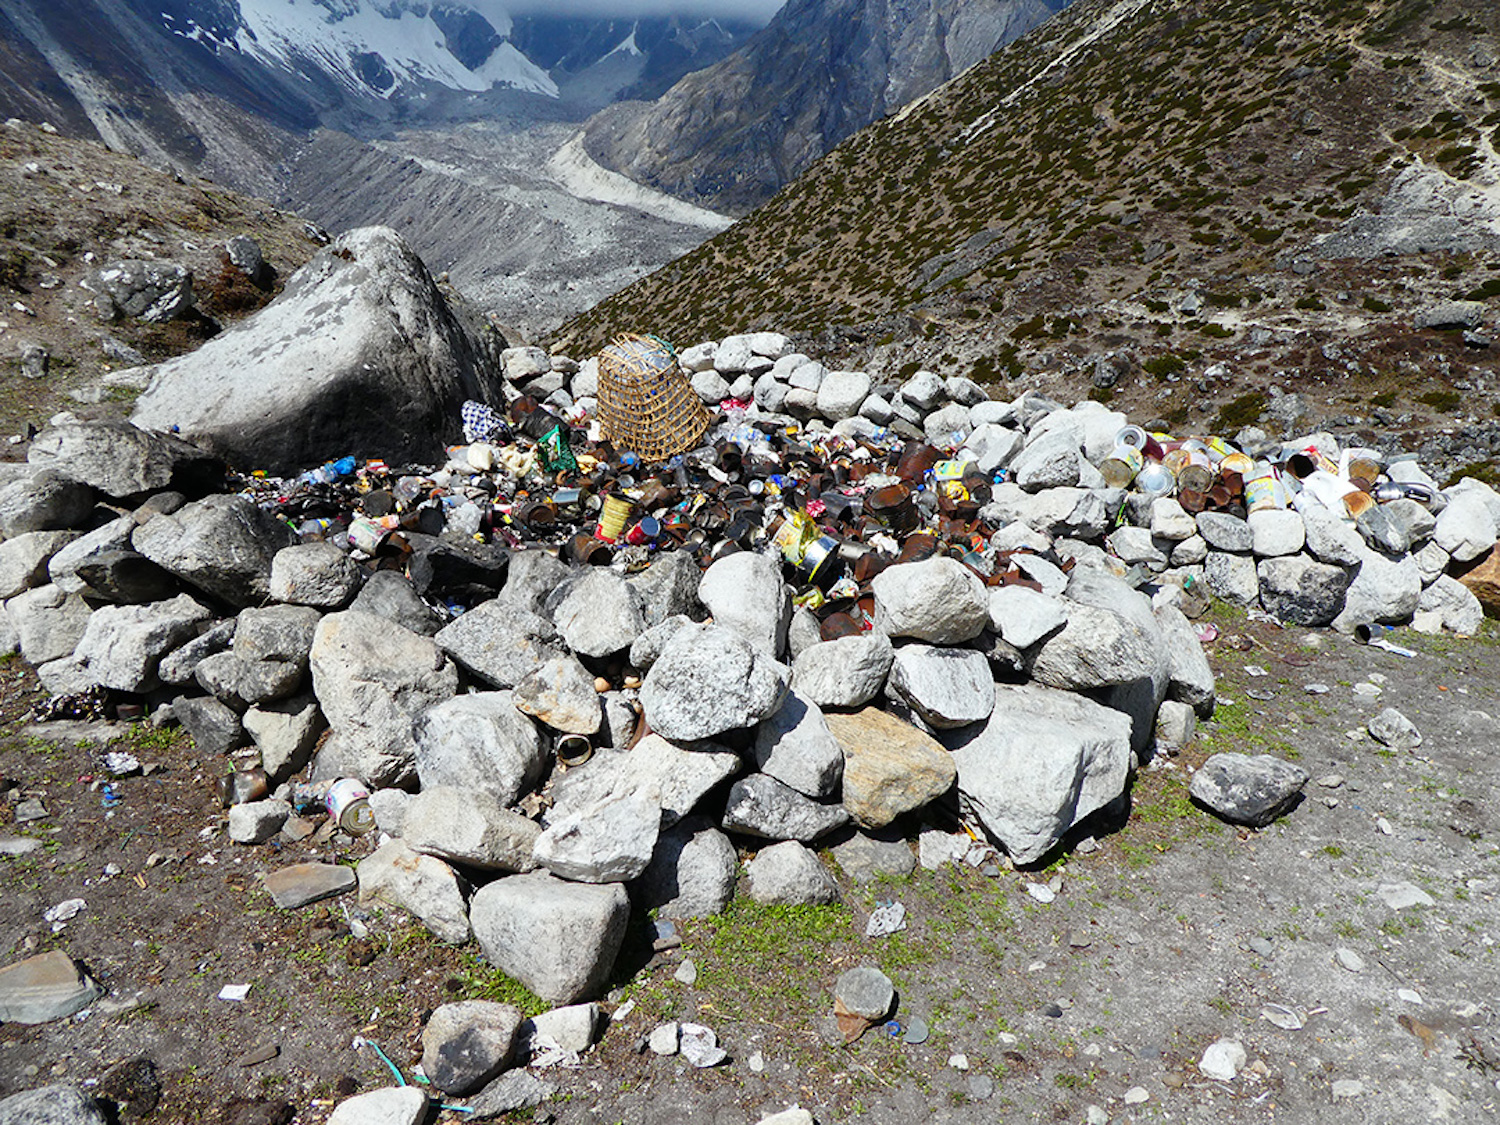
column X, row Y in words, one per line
column 1156, row 192
column 730, row 135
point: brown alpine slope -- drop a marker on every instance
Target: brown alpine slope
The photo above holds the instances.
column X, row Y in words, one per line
column 1244, row 198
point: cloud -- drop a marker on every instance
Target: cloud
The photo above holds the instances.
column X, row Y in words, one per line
column 754, row 11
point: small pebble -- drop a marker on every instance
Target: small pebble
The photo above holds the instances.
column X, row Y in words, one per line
column 1383, row 826
column 1095, row 1115
column 1052, row 1011
column 981, row 1087
column 1331, row 780
column 1041, row 892
column 1315, row 689
column 687, row 973
column 1408, row 995
column 1260, row 945
column 958, row 1062
column 1347, row 1088
column 757, row 1062
column 1136, row 1095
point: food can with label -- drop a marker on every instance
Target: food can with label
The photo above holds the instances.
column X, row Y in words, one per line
column 348, row 802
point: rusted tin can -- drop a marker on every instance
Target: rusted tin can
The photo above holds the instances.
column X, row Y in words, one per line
column 892, row 506
column 243, row 786
column 1197, row 472
column 585, row 550
column 348, row 803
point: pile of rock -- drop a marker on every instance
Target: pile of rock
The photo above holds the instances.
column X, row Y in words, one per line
column 719, row 714
column 550, row 746
column 762, row 371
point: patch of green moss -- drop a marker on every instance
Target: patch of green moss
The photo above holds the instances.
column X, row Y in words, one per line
column 1240, row 412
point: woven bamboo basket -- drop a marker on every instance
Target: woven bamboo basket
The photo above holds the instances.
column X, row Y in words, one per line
column 646, row 404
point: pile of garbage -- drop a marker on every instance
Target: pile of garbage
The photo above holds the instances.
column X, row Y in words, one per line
column 551, row 680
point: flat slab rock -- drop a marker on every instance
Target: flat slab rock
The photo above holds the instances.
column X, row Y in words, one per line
column 49, row 986
column 304, row 883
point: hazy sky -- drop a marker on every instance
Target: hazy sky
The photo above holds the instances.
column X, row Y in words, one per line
column 759, row 11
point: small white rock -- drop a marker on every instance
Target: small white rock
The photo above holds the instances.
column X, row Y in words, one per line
column 1223, row 1060
column 1041, row 892
column 687, row 973
column 958, row 1062
column 1350, row 960
column 664, row 1039
column 1409, row 995
column 1136, row 1095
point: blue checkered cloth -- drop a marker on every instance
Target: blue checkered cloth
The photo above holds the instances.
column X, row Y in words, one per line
column 481, row 423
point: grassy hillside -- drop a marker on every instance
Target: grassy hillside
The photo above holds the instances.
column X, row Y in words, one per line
column 1144, row 179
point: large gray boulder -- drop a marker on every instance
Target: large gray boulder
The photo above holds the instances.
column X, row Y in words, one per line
column 25, row 560
column 48, row 623
column 371, row 679
column 675, row 776
column 146, row 289
column 500, row 643
column 468, row 826
column 938, row 600
column 1191, row 680
column 422, row 885
column 789, row 874
column 466, row 1044
column 478, row 741
column 796, row 747
column 361, row 353
column 1246, row 790
column 51, row 1105
column 759, row 805
column 1300, row 591
column 122, row 460
column 223, row 545
column 709, row 680
column 559, row 939
column 122, row 645
column 600, row 615
column 1045, row 760
column 846, row 672
column 1383, row 589
column 314, row 574
column 745, row 592
column 691, row 873
column 44, row 500
column 391, row 595
column 668, row 587
column 63, row 566
column 607, row 841
column 948, row 687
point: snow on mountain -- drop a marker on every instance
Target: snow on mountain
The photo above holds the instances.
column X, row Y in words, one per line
column 382, row 48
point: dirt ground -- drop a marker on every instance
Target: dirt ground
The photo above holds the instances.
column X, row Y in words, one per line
column 1166, row 933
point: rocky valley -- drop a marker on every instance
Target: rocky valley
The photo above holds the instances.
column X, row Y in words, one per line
column 1003, row 631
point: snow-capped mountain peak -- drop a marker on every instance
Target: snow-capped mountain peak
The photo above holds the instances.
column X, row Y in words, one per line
column 381, row 46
